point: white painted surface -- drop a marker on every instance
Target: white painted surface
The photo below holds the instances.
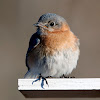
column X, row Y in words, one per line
column 60, row 84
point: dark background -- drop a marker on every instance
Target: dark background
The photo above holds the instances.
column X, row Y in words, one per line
column 16, row 20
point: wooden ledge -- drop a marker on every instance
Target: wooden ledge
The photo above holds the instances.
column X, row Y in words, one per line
column 60, row 87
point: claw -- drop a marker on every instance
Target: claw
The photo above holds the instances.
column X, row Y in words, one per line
column 45, row 80
column 63, row 76
column 39, row 78
column 72, row 77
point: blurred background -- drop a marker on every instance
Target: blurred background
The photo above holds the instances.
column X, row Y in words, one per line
column 16, row 20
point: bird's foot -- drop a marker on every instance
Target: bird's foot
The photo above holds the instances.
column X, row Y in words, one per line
column 72, row 77
column 49, row 77
column 43, row 79
column 63, row 76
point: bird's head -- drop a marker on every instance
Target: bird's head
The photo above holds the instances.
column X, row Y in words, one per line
column 51, row 23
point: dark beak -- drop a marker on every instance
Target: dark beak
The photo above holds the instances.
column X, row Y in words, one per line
column 39, row 24
column 36, row 24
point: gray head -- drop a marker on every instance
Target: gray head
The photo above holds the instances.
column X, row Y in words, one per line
column 50, row 22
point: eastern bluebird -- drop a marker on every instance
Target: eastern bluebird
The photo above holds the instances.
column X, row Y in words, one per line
column 53, row 49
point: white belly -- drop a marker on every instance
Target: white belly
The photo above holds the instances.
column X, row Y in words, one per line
column 55, row 66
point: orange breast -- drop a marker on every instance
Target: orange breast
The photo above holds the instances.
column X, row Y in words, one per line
column 59, row 41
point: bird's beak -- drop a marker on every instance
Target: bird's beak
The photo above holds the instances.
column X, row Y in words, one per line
column 36, row 24
column 39, row 24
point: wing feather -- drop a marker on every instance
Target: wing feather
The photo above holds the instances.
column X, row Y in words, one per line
column 34, row 41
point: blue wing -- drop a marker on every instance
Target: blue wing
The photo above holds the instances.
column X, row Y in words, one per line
column 34, row 41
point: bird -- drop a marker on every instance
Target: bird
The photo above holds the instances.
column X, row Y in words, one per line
column 53, row 49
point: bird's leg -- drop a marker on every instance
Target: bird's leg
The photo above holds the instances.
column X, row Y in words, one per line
column 63, row 76
column 41, row 77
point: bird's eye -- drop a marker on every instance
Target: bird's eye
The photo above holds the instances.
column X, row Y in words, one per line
column 52, row 24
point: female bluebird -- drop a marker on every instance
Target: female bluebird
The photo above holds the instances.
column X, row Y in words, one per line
column 53, row 49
